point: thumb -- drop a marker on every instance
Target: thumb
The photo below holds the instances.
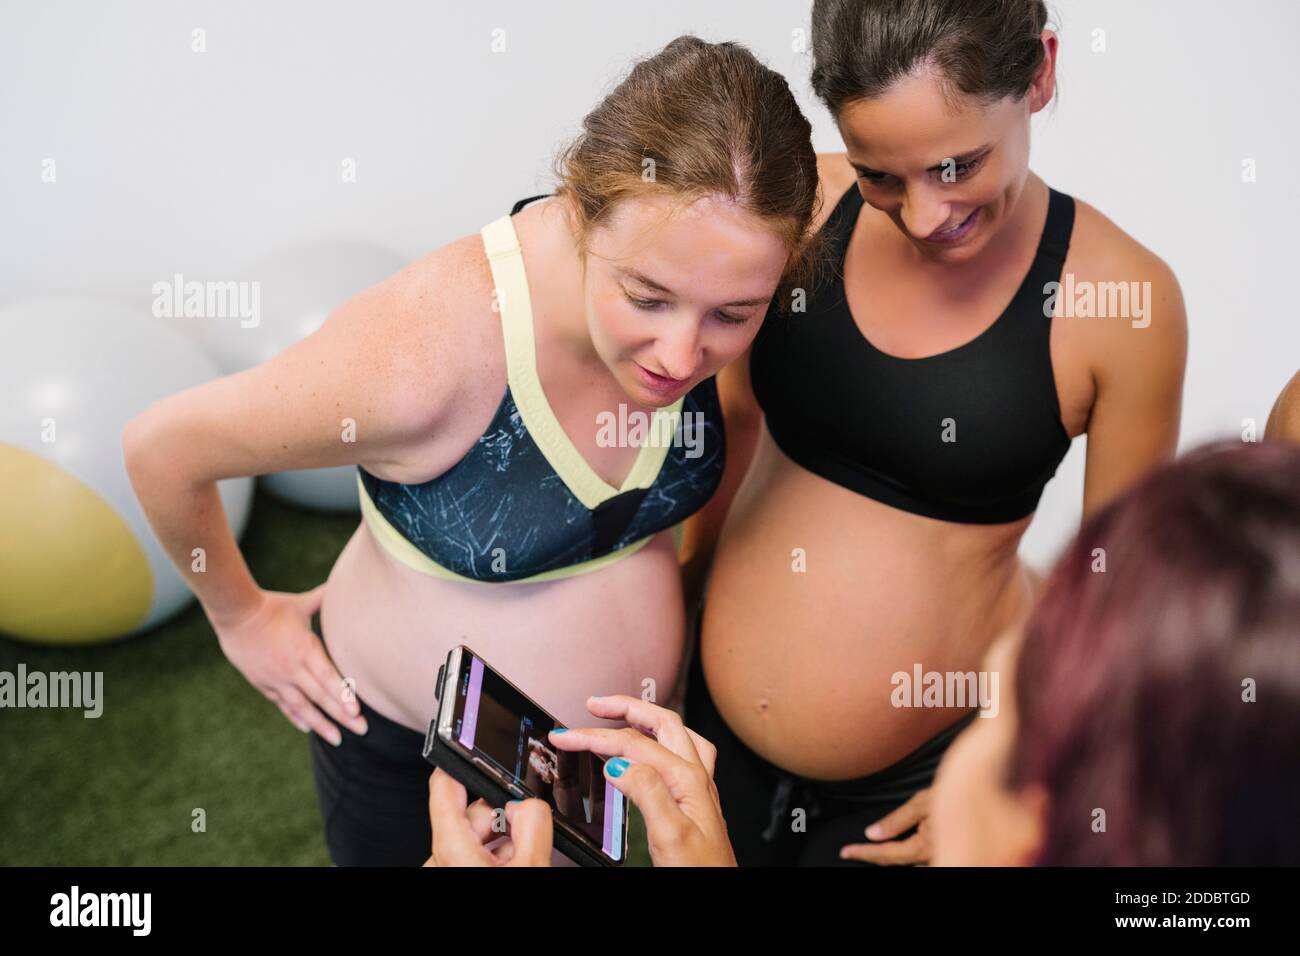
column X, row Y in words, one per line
column 643, row 785
column 531, row 832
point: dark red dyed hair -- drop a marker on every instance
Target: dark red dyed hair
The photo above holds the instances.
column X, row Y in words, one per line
column 1130, row 682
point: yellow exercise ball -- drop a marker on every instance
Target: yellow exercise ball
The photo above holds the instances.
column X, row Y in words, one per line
column 78, row 560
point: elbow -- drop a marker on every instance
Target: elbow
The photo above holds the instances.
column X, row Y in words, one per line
column 158, row 450
column 137, row 444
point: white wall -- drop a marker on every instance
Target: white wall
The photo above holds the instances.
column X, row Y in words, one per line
column 174, row 161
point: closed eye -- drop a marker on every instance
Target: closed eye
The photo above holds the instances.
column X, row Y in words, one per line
column 653, row 305
column 962, row 170
column 648, row 304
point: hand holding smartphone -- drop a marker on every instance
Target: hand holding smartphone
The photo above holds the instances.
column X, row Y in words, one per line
column 493, row 738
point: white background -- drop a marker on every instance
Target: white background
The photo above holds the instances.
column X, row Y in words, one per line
column 174, row 161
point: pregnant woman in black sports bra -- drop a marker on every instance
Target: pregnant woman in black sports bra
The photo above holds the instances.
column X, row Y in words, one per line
column 895, row 436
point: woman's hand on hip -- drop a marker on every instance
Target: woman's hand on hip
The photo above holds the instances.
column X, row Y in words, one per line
column 276, row 650
column 664, row 768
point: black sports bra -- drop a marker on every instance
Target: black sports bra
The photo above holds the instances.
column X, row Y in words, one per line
column 970, row 435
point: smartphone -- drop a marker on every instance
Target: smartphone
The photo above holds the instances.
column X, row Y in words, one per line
column 492, row 737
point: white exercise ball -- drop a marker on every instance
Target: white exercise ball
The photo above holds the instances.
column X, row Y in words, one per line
column 297, row 287
column 79, row 562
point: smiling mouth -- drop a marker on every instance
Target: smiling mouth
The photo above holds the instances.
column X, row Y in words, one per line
column 661, row 383
column 954, row 232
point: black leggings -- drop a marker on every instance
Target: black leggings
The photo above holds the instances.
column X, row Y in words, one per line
column 759, row 798
column 373, row 790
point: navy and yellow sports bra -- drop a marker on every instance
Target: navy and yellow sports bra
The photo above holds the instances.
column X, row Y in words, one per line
column 523, row 504
column 970, row 435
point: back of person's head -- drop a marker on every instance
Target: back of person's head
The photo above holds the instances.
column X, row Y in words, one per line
column 1158, row 682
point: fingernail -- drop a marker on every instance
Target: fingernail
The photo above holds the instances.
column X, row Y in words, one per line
column 364, row 727
column 617, row 766
column 874, row 832
column 559, row 730
column 336, row 740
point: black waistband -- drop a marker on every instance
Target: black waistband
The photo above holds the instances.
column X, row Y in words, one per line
column 912, row 772
column 385, row 736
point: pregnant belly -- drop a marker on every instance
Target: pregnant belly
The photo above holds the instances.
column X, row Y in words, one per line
column 617, row 630
column 819, row 597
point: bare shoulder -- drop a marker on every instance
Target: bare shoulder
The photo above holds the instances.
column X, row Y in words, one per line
column 393, row 367
column 440, row 301
column 1284, row 420
column 1101, row 246
column 836, row 176
column 426, row 334
column 1126, row 300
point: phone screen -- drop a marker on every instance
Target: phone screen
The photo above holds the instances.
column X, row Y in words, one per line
column 494, row 721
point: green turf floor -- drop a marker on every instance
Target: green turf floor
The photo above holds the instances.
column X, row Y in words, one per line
column 181, row 730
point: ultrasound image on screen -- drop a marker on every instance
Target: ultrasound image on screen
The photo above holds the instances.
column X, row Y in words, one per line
column 502, row 726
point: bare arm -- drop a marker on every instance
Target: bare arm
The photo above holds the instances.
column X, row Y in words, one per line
column 290, row 412
column 1138, row 375
column 374, row 385
column 742, row 420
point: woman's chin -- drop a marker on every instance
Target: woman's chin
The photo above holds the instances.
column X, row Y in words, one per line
column 653, row 399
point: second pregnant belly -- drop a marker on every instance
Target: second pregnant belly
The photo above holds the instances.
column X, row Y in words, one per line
column 801, row 663
column 613, row 631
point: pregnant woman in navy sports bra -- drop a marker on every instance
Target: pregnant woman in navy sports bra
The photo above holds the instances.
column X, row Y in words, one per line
column 501, row 509
column 895, row 437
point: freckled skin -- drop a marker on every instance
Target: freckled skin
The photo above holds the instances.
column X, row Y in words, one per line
column 610, row 630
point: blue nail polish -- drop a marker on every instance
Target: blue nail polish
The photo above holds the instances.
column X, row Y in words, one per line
column 559, row 730
column 617, row 766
